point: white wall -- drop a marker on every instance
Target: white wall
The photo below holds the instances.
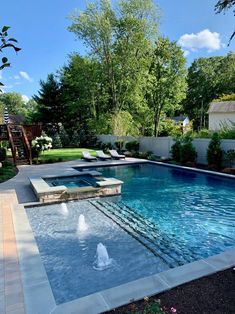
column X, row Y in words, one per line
column 161, row 146
column 217, row 119
column 113, row 138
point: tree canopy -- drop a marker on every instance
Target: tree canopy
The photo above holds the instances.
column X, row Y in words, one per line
column 131, row 79
column 167, row 80
column 49, row 101
column 208, row 78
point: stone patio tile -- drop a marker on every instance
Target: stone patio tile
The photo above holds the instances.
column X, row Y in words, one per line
column 91, row 304
column 39, row 297
column 2, row 303
column 134, row 290
column 223, row 260
column 188, row 272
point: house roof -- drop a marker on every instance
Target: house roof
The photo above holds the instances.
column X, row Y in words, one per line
column 179, row 118
column 223, row 106
column 16, row 118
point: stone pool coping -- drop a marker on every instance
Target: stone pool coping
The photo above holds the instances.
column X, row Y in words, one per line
column 38, row 294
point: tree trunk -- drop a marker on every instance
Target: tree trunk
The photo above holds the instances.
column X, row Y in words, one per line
column 156, row 122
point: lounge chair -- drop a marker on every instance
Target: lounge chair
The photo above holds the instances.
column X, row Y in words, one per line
column 114, row 154
column 100, row 154
column 87, row 156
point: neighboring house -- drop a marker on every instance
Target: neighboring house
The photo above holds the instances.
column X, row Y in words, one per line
column 12, row 119
column 16, row 119
column 183, row 121
column 221, row 114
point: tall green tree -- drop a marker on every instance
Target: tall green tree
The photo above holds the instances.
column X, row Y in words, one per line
column 120, row 40
column 83, row 90
column 14, row 103
column 51, row 108
column 208, row 78
column 167, row 80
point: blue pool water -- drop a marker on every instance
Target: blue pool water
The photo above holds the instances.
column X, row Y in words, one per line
column 72, row 181
column 194, row 210
column 164, row 218
column 69, row 255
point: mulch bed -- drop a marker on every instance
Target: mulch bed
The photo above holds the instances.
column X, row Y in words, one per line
column 214, row 294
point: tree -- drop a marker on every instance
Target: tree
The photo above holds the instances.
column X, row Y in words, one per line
column 56, row 141
column 51, row 108
column 208, row 78
column 120, row 41
column 14, row 103
column 228, row 97
column 65, row 140
column 222, row 6
column 214, row 151
column 75, row 140
column 6, row 42
column 167, row 80
column 83, row 91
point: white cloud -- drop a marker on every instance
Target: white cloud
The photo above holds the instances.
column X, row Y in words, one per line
column 0, row 74
column 186, row 53
column 16, row 77
column 26, row 76
column 25, row 98
column 204, row 39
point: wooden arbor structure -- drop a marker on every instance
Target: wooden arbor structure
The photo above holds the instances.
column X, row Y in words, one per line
column 20, row 137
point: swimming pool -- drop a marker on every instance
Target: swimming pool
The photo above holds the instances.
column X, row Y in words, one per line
column 164, row 218
column 178, row 210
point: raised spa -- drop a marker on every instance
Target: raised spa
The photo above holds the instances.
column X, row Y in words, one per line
column 83, row 185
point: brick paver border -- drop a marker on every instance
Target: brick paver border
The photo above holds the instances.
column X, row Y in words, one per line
column 11, row 292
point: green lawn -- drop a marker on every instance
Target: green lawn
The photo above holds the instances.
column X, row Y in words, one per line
column 7, row 171
column 64, row 154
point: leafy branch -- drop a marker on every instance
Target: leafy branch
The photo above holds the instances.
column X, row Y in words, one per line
column 222, row 6
column 6, row 42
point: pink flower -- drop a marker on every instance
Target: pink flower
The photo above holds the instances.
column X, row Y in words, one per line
column 173, row 310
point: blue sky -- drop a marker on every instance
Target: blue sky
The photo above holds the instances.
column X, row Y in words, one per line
column 41, row 29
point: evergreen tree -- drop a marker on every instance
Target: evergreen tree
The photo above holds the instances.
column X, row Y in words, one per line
column 214, row 151
column 56, row 141
column 75, row 139
column 64, row 137
column 51, row 109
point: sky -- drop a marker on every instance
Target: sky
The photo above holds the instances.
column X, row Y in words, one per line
column 41, row 30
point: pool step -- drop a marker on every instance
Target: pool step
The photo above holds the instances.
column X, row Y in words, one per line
column 160, row 244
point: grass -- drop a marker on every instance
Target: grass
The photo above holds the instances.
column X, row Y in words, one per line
column 7, row 171
column 63, row 154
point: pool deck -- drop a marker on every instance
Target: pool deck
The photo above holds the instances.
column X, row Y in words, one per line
column 11, row 290
column 24, row 287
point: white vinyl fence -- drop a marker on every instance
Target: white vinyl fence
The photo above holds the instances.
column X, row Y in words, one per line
column 161, row 146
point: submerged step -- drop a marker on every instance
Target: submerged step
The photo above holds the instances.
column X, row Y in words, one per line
column 147, row 233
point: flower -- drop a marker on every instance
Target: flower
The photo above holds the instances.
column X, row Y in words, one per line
column 173, row 310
